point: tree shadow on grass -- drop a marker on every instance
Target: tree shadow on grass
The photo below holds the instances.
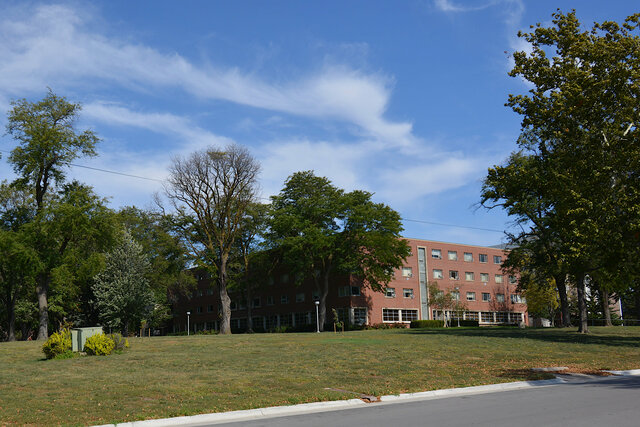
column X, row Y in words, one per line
column 549, row 335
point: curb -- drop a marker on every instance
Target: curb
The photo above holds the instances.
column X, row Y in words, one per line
column 306, row 408
column 630, row 372
column 448, row 392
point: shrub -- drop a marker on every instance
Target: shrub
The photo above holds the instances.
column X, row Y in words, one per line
column 473, row 323
column 99, row 345
column 427, row 324
column 387, row 326
column 67, row 355
column 119, row 342
column 58, row 343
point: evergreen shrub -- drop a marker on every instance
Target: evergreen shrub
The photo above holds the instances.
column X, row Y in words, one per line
column 58, row 343
column 99, row 345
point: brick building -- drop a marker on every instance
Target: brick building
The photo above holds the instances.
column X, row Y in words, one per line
column 472, row 273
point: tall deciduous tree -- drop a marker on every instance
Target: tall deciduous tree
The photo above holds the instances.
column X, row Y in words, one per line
column 322, row 231
column 122, row 293
column 47, row 143
column 581, row 143
column 211, row 190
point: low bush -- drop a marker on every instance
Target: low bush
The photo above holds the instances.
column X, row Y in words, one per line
column 427, row 324
column 120, row 343
column 473, row 323
column 58, row 343
column 99, row 345
column 387, row 326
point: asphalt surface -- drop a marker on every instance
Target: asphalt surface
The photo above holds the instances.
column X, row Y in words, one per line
column 581, row 401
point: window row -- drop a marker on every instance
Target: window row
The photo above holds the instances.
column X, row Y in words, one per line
column 391, row 292
column 470, row 276
column 467, row 256
column 481, row 316
column 399, row 315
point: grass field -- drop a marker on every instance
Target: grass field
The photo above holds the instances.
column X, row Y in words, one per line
column 172, row 376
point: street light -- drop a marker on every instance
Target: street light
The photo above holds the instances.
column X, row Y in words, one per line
column 317, row 317
column 188, row 314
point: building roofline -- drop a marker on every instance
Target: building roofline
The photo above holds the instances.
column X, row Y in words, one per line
column 453, row 243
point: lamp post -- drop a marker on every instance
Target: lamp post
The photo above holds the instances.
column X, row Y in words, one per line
column 317, row 317
column 188, row 314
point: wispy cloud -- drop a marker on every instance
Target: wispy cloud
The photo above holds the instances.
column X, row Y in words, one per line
column 56, row 44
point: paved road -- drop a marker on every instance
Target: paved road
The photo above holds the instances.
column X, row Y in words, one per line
column 582, row 401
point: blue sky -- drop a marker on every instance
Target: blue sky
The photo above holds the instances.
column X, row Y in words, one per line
column 403, row 99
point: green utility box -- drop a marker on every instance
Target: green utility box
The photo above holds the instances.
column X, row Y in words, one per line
column 79, row 336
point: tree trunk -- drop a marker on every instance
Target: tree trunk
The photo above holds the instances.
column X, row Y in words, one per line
column 225, row 301
column 324, row 291
column 561, row 284
column 582, row 304
column 606, row 308
column 41, row 290
column 125, row 329
column 249, row 311
column 11, row 310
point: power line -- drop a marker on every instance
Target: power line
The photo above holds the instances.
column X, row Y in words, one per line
column 266, row 198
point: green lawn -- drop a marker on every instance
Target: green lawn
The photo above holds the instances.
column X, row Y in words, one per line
column 173, row 376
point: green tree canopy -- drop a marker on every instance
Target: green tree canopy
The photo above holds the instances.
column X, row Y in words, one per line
column 122, row 295
column 574, row 184
column 321, row 231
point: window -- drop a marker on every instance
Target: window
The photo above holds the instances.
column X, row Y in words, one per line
column 407, row 293
column 345, row 291
column 390, row 292
column 209, row 308
column 471, row 315
column 516, row 299
column 498, row 278
column 469, row 276
column 484, row 277
column 497, row 259
column 271, row 281
column 199, row 310
column 270, row 300
column 513, row 280
column 436, row 254
column 486, row 317
column 453, row 255
column 300, row 297
column 315, row 295
column 200, row 293
column 256, row 302
column 409, row 315
column 209, row 291
column 359, row 316
column 301, row 318
column 234, row 305
column 501, row 317
column 284, row 299
column 471, row 296
column 407, row 272
column 515, row 317
column 486, row 297
column 500, row 297
column 284, row 278
column 390, row 315
column 483, row 258
column 453, row 274
column 437, row 274
column 286, row 319
column 468, row 257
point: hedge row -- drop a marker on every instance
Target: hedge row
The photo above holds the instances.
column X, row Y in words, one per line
column 427, row 324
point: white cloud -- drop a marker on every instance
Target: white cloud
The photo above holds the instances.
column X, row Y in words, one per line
column 192, row 136
column 55, row 45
